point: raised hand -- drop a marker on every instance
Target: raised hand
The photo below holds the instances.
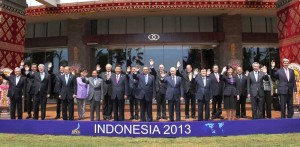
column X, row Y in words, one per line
column 49, row 65
column 151, row 62
column 98, row 67
column 264, row 69
column 196, row 72
column 208, row 72
column 223, row 70
column 273, row 63
column 128, row 69
column 178, row 64
column 22, row 63
column 247, row 73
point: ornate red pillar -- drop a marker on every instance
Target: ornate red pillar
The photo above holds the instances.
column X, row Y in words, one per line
column 12, row 32
column 288, row 14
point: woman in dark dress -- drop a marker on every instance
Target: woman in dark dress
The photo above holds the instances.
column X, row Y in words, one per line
column 230, row 93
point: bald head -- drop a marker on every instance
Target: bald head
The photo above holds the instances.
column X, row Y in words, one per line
column 173, row 71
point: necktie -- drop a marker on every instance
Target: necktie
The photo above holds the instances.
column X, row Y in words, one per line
column 190, row 76
column 146, row 79
column 174, row 81
column 42, row 76
column 217, row 76
column 287, row 73
column 17, row 79
column 95, row 81
column 117, row 79
column 67, row 78
column 256, row 75
column 204, row 81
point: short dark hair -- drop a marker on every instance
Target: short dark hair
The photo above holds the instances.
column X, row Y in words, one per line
column 34, row 64
column 118, row 66
column 82, row 70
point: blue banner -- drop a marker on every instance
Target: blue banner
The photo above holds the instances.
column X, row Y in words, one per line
column 151, row 129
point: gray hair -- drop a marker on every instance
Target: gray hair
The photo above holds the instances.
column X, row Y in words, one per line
column 41, row 65
column 255, row 63
column 285, row 60
column 108, row 65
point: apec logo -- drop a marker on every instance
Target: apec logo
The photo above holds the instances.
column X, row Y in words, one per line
column 153, row 37
column 76, row 131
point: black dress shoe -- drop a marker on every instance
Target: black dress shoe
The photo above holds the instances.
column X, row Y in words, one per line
column 243, row 116
column 164, row 117
column 28, row 117
column 214, row 117
column 131, row 117
column 193, row 116
column 57, row 117
column 187, row 117
column 237, row 116
column 158, row 118
column 136, row 117
column 220, row 117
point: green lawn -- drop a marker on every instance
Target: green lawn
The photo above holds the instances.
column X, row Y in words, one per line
column 14, row 140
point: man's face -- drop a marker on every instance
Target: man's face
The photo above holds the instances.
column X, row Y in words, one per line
column 17, row 72
column 108, row 68
column 145, row 70
column 189, row 68
column 133, row 69
column 66, row 70
column 173, row 72
column 239, row 70
column 41, row 69
column 215, row 69
column 61, row 69
column 33, row 67
column 203, row 72
column 285, row 64
column 118, row 70
column 255, row 67
column 94, row 74
column 161, row 68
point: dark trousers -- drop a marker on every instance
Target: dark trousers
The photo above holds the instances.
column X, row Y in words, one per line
column 134, row 106
column 68, row 105
column 241, row 106
column 172, row 104
column 118, row 106
column 29, row 104
column 189, row 96
column 94, row 106
column 217, row 106
column 40, row 100
column 58, row 104
column 107, row 106
column 146, row 106
column 267, row 105
column 15, row 104
column 161, row 104
column 286, row 101
column 201, row 104
column 257, row 103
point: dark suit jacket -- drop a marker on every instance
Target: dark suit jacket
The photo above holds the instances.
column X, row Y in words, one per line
column 174, row 92
column 161, row 87
column 132, row 85
column 15, row 91
column 66, row 91
column 201, row 91
column 231, row 87
column 216, row 86
column 43, row 86
column 285, row 86
column 119, row 89
column 243, row 85
column 29, row 81
column 145, row 90
column 187, row 85
column 256, row 87
column 107, row 89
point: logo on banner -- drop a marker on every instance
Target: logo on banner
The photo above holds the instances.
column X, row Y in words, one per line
column 76, row 131
column 153, row 37
column 215, row 128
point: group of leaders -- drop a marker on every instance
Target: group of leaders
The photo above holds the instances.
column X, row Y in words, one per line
column 112, row 88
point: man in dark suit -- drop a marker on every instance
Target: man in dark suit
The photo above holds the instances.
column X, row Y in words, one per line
column 189, row 89
column 174, row 93
column 29, row 88
column 42, row 84
column 107, row 101
column 67, row 92
column 217, row 86
column 55, row 86
column 241, row 103
column 16, row 92
column 133, row 102
column 255, row 90
column 146, row 91
column 119, row 93
column 286, row 87
column 204, row 93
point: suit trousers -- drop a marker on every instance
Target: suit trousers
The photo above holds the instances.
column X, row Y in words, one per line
column 134, row 106
column 267, row 105
column 81, row 108
column 29, row 103
column 171, row 104
column 257, row 103
column 94, row 106
column 161, row 104
column 189, row 96
column 68, row 105
column 146, row 107
column 40, row 100
column 217, row 106
column 58, row 104
column 15, row 104
column 201, row 104
column 107, row 106
column 286, row 101
column 118, row 107
column 241, row 106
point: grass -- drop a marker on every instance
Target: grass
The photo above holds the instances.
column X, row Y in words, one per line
column 15, row 140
